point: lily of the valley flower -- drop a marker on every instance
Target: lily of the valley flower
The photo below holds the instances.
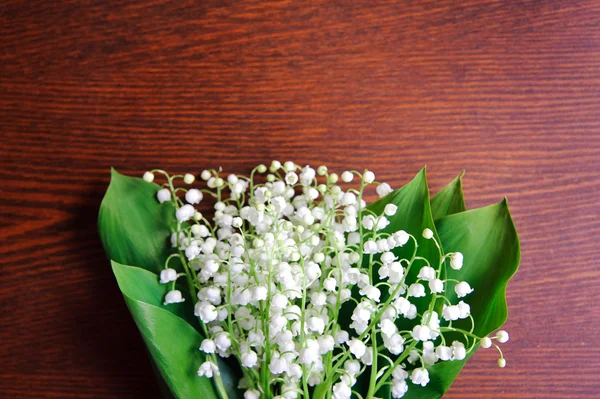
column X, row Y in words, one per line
column 303, row 284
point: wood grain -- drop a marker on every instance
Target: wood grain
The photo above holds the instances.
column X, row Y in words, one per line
column 509, row 91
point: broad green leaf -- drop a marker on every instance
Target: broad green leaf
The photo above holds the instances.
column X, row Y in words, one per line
column 449, row 200
column 413, row 216
column 173, row 345
column 162, row 384
column 488, row 240
column 144, row 286
column 171, row 341
column 133, row 225
column 134, row 228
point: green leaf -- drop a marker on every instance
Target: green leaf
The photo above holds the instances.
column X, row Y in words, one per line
column 134, row 228
column 413, row 216
column 133, row 225
column 144, row 286
column 171, row 341
column 488, row 240
column 449, row 200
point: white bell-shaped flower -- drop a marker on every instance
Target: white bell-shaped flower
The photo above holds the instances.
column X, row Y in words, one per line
column 420, row 376
column 185, row 213
column 462, row 289
column 193, row 196
column 168, row 275
column 383, row 189
column 173, row 296
column 163, row 195
column 208, row 369
column 456, row 261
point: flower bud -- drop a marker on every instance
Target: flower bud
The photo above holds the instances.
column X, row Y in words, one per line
column 205, row 175
column 275, row 165
column 188, row 178
column 369, row 177
column 502, row 336
column 427, row 234
column 347, row 177
column 148, row 177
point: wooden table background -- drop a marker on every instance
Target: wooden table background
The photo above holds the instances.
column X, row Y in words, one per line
column 508, row 90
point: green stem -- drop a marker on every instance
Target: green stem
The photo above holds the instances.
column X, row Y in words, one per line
column 373, row 379
column 219, row 385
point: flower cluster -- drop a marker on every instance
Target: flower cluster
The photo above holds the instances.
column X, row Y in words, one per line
column 301, row 282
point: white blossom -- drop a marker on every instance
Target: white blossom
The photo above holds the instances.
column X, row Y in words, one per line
column 173, row 296
column 357, row 347
column 168, row 275
column 291, row 178
column 163, row 195
column 420, row 376
column 436, row 286
column 426, row 273
column 459, row 351
column 383, row 189
column 462, row 289
column 185, row 213
column 456, row 261
column 208, row 369
column 208, row 346
column 399, row 388
column 401, row 237
column 451, row 313
column 417, row 290
column 443, row 352
column 464, row 309
column 390, row 209
column 252, row 394
column 193, row 196
column 421, row 333
column 249, row 358
column 341, row 391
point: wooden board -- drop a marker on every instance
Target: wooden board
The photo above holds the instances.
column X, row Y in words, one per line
column 508, row 90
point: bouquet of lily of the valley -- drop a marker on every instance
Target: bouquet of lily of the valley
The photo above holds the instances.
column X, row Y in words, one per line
column 286, row 284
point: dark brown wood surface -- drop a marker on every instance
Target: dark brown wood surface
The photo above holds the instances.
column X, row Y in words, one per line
column 508, row 90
